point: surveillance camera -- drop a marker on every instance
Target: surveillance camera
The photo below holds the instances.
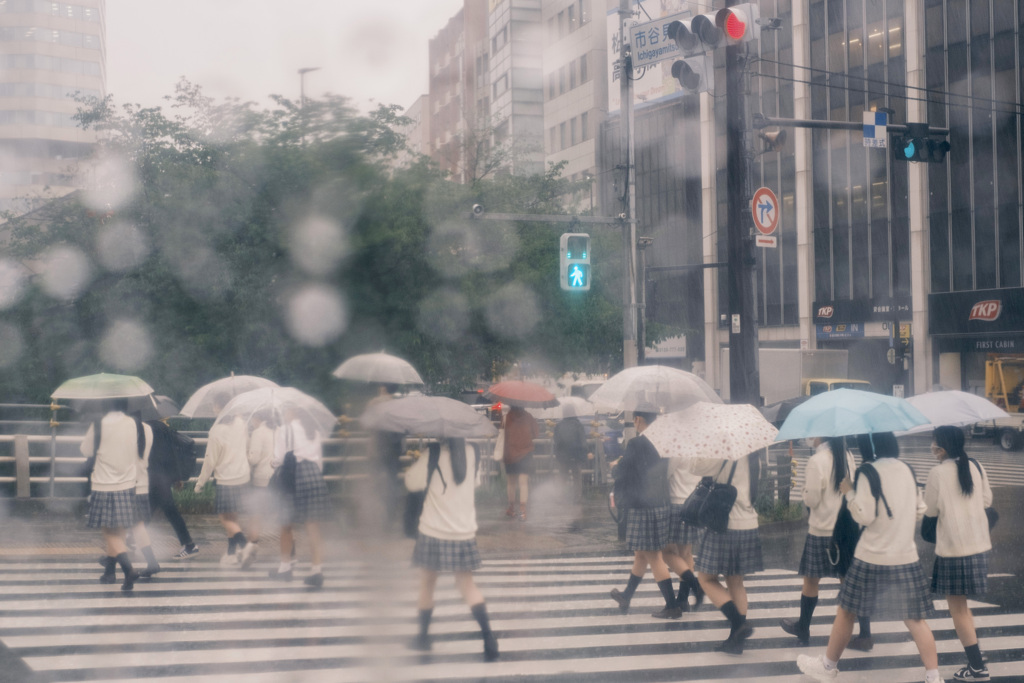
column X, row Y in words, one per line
column 622, row 216
column 478, row 210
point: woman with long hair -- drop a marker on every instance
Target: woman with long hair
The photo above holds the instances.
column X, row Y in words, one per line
column 823, row 474
column 885, row 579
column 957, row 493
column 446, row 536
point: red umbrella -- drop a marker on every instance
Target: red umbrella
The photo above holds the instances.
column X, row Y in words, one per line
column 521, row 394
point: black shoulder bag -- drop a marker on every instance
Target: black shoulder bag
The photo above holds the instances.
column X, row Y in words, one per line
column 846, row 532
column 714, row 512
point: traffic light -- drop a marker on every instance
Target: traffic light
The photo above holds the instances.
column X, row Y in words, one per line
column 698, row 37
column 917, row 145
column 574, row 261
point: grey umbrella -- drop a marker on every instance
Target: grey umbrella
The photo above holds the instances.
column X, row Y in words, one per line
column 430, row 416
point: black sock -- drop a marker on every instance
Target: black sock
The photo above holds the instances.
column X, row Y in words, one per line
column 733, row 615
column 807, row 605
column 631, row 586
column 666, row 592
column 126, row 564
column 974, row 657
column 109, row 564
column 865, row 626
column 231, row 545
column 147, row 552
column 684, row 589
column 480, row 614
column 239, row 540
column 425, row 615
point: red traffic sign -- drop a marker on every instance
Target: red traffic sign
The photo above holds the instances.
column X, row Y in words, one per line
column 765, row 209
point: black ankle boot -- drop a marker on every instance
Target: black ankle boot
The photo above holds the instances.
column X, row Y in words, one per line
column 130, row 575
column 109, row 564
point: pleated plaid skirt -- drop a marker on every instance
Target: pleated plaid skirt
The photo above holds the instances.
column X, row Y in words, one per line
column 112, row 509
column 680, row 532
column 311, row 503
column 439, row 555
column 732, row 553
column 648, row 528
column 961, row 575
column 814, row 562
column 886, row 592
column 230, row 499
column 143, row 511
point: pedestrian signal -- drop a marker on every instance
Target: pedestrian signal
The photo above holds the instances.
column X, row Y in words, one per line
column 574, row 261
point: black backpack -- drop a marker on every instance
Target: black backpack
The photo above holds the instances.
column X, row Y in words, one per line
column 173, row 454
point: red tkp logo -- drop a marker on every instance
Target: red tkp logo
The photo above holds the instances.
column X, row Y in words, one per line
column 986, row 310
column 825, row 311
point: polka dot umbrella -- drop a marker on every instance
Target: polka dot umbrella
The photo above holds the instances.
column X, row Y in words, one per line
column 711, row 430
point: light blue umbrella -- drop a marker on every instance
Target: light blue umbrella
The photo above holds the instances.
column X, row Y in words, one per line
column 844, row 412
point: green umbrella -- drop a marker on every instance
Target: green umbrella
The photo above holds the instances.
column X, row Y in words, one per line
column 103, row 385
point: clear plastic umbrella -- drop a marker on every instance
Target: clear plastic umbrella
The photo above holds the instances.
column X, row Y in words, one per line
column 953, row 408
column 378, row 368
column 652, row 388
column 103, row 385
column 568, row 406
column 279, row 400
column 430, row 416
column 208, row 399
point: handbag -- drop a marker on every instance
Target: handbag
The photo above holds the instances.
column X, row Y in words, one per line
column 499, row 446
column 691, row 506
column 929, row 529
column 845, row 535
column 714, row 511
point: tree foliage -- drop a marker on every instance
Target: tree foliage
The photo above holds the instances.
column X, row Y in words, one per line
column 222, row 237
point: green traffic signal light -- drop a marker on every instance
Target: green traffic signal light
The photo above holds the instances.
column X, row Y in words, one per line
column 578, row 276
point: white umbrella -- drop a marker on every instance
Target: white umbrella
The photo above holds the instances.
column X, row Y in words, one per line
column 210, row 398
column 379, row 368
column 954, row 408
column 711, row 430
column 652, row 388
column 431, row 416
column 278, row 400
column 568, row 406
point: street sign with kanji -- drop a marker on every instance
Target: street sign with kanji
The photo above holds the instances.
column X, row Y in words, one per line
column 765, row 209
column 876, row 134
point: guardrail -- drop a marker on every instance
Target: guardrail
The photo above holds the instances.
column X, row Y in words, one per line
column 41, row 466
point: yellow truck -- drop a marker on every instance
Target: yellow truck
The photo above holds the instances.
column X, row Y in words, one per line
column 1004, row 386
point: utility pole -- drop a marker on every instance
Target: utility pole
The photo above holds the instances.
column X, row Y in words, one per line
column 744, row 378
column 629, row 313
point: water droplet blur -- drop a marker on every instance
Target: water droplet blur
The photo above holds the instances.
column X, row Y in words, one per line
column 458, row 247
column 121, row 246
column 65, row 272
column 201, row 272
column 114, row 185
column 318, row 245
column 12, row 282
column 512, row 311
column 316, row 315
column 126, row 346
column 444, row 315
column 11, row 344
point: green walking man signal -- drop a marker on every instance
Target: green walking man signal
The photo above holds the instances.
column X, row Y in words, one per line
column 574, row 262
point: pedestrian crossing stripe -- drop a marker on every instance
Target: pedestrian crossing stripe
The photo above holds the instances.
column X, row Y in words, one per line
column 554, row 619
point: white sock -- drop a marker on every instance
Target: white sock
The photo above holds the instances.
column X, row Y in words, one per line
column 932, row 676
column 316, row 569
column 284, row 567
column 829, row 664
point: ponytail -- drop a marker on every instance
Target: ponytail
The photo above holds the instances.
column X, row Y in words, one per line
column 951, row 440
column 754, row 468
column 837, row 445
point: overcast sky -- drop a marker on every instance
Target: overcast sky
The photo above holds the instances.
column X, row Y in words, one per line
column 370, row 50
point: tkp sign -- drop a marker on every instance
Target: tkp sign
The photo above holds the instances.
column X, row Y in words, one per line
column 826, row 311
column 986, row 310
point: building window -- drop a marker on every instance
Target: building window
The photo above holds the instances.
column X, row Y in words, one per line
column 562, row 139
column 584, row 127
column 561, row 81
column 572, row 132
column 561, row 24
column 551, row 86
column 501, row 85
column 584, row 74
column 571, row 10
column 552, row 140
column 584, row 12
column 572, row 75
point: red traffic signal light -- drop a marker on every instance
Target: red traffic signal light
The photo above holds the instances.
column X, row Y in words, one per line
column 739, row 23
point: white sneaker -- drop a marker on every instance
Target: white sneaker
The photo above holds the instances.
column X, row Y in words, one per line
column 229, row 560
column 247, row 555
column 815, row 668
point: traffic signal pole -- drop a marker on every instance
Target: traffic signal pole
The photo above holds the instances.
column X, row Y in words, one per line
column 629, row 313
column 744, row 378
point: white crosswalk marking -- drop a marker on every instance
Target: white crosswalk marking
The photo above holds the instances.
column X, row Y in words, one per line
column 197, row 622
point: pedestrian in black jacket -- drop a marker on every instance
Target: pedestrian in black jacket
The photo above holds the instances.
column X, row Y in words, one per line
column 165, row 472
column 642, row 493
